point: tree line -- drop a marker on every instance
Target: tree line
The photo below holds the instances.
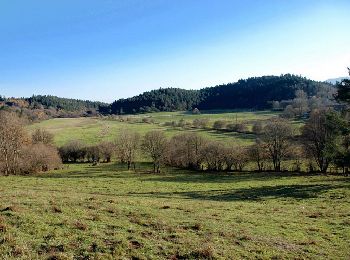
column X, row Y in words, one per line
column 324, row 140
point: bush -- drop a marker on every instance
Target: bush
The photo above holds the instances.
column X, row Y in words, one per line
column 73, row 151
column 257, row 128
column 42, row 136
column 200, row 123
column 219, row 124
column 39, row 158
column 239, row 127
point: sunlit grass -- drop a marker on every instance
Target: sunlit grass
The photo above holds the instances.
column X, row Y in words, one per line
column 107, row 212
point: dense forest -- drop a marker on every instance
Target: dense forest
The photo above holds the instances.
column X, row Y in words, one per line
column 67, row 104
column 252, row 93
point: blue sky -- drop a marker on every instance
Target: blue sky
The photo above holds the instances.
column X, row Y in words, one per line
column 109, row 49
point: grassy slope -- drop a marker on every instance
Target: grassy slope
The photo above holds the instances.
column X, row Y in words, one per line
column 106, row 212
column 93, row 130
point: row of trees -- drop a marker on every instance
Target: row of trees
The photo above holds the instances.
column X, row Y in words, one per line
column 324, row 140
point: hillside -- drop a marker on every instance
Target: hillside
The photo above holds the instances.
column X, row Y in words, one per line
column 252, row 93
column 43, row 107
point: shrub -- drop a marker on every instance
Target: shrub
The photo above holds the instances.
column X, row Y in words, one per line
column 238, row 127
column 257, row 127
column 200, row 123
column 73, row 151
column 219, row 124
column 42, row 136
column 39, row 158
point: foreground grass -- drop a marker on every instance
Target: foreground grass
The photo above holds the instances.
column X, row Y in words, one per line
column 106, row 212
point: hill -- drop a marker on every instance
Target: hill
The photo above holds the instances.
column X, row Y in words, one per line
column 252, row 93
column 44, row 107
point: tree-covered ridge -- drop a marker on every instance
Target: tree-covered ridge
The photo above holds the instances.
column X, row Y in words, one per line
column 67, row 104
column 252, row 93
column 257, row 92
column 168, row 99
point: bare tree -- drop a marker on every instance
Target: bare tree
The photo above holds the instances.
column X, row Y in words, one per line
column 241, row 158
column 12, row 139
column 128, row 144
column 300, row 102
column 155, row 144
column 73, row 151
column 185, row 150
column 38, row 158
column 257, row 153
column 213, row 155
column 276, row 137
column 107, row 150
column 42, row 136
column 257, row 128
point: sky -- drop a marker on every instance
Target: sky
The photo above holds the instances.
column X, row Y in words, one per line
column 110, row 49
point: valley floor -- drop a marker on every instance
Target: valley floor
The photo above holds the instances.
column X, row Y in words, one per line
column 106, row 212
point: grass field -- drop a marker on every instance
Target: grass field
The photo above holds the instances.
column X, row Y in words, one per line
column 94, row 130
column 105, row 212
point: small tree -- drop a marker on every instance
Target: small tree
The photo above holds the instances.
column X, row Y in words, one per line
column 219, row 124
column 322, row 135
column 72, row 151
column 39, row 158
column 154, row 145
column 200, row 123
column 241, row 158
column 257, row 128
column 106, row 151
column 276, row 137
column 300, row 102
column 185, row 150
column 258, row 154
column 12, row 139
column 42, row 136
column 289, row 112
column 128, row 143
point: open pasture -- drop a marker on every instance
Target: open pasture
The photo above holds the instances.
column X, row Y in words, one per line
column 106, row 212
column 94, row 130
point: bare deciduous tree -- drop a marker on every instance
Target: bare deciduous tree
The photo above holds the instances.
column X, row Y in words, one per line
column 276, row 137
column 12, row 139
column 128, row 143
column 42, row 136
column 185, row 150
column 39, row 157
column 155, row 144
column 257, row 153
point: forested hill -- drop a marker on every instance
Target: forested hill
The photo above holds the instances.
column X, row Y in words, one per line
column 44, row 107
column 67, row 104
column 252, row 93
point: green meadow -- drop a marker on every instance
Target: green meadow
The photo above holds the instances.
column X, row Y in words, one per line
column 93, row 130
column 106, row 212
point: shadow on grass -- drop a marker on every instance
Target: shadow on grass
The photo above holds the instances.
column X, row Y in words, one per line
column 244, row 194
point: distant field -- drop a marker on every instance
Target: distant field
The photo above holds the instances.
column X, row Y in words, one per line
column 93, row 130
column 105, row 212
